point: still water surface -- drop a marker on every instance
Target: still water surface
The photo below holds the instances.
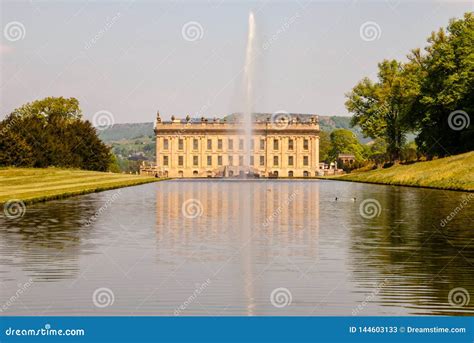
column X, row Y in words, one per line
column 222, row 248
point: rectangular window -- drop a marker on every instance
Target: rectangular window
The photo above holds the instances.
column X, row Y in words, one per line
column 290, row 144
column 252, row 144
column 219, row 144
column 209, row 160
column 262, row 160
column 209, row 144
column 195, row 161
column 290, row 160
column 165, row 144
column 275, row 144
column 230, row 143
column 180, row 144
column 241, row 144
column 262, row 144
column 251, row 160
column 180, row 160
column 305, row 160
column 305, row 144
column 195, row 144
column 219, row 160
column 165, row 160
column 241, row 160
column 231, row 160
column 275, row 161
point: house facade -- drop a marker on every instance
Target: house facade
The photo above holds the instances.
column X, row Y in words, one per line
column 285, row 147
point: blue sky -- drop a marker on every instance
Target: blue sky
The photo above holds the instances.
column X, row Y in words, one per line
column 131, row 58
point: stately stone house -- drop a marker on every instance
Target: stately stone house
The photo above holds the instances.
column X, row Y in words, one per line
column 287, row 146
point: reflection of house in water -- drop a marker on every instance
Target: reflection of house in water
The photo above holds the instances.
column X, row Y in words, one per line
column 259, row 224
column 287, row 147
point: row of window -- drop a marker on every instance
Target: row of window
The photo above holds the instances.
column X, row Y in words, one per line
column 230, row 144
column 231, row 160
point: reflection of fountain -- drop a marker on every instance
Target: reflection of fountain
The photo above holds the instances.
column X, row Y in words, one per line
column 249, row 72
column 246, row 237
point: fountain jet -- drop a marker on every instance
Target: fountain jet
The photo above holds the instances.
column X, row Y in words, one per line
column 249, row 79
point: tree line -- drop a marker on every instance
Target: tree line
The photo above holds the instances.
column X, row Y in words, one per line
column 431, row 95
column 51, row 132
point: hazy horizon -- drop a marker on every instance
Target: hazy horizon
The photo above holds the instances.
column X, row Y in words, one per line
column 132, row 58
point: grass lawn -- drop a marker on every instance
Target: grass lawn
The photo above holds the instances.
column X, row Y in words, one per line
column 40, row 184
column 454, row 172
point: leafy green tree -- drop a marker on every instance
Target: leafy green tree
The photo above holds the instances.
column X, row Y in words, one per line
column 445, row 84
column 324, row 146
column 114, row 165
column 378, row 151
column 53, row 131
column 380, row 107
column 344, row 141
column 410, row 152
column 14, row 151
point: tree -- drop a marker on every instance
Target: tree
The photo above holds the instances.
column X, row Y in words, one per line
column 53, row 131
column 378, row 151
column 344, row 141
column 14, row 151
column 114, row 165
column 444, row 104
column 409, row 152
column 324, row 146
column 380, row 107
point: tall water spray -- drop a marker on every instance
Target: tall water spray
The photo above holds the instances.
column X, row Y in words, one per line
column 246, row 200
column 249, row 79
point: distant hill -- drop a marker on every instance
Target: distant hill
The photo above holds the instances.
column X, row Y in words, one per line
column 132, row 131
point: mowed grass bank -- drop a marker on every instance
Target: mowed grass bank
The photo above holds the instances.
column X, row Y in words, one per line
column 454, row 172
column 41, row 184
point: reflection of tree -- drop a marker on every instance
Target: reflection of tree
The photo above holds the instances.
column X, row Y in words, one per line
column 407, row 246
column 45, row 242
